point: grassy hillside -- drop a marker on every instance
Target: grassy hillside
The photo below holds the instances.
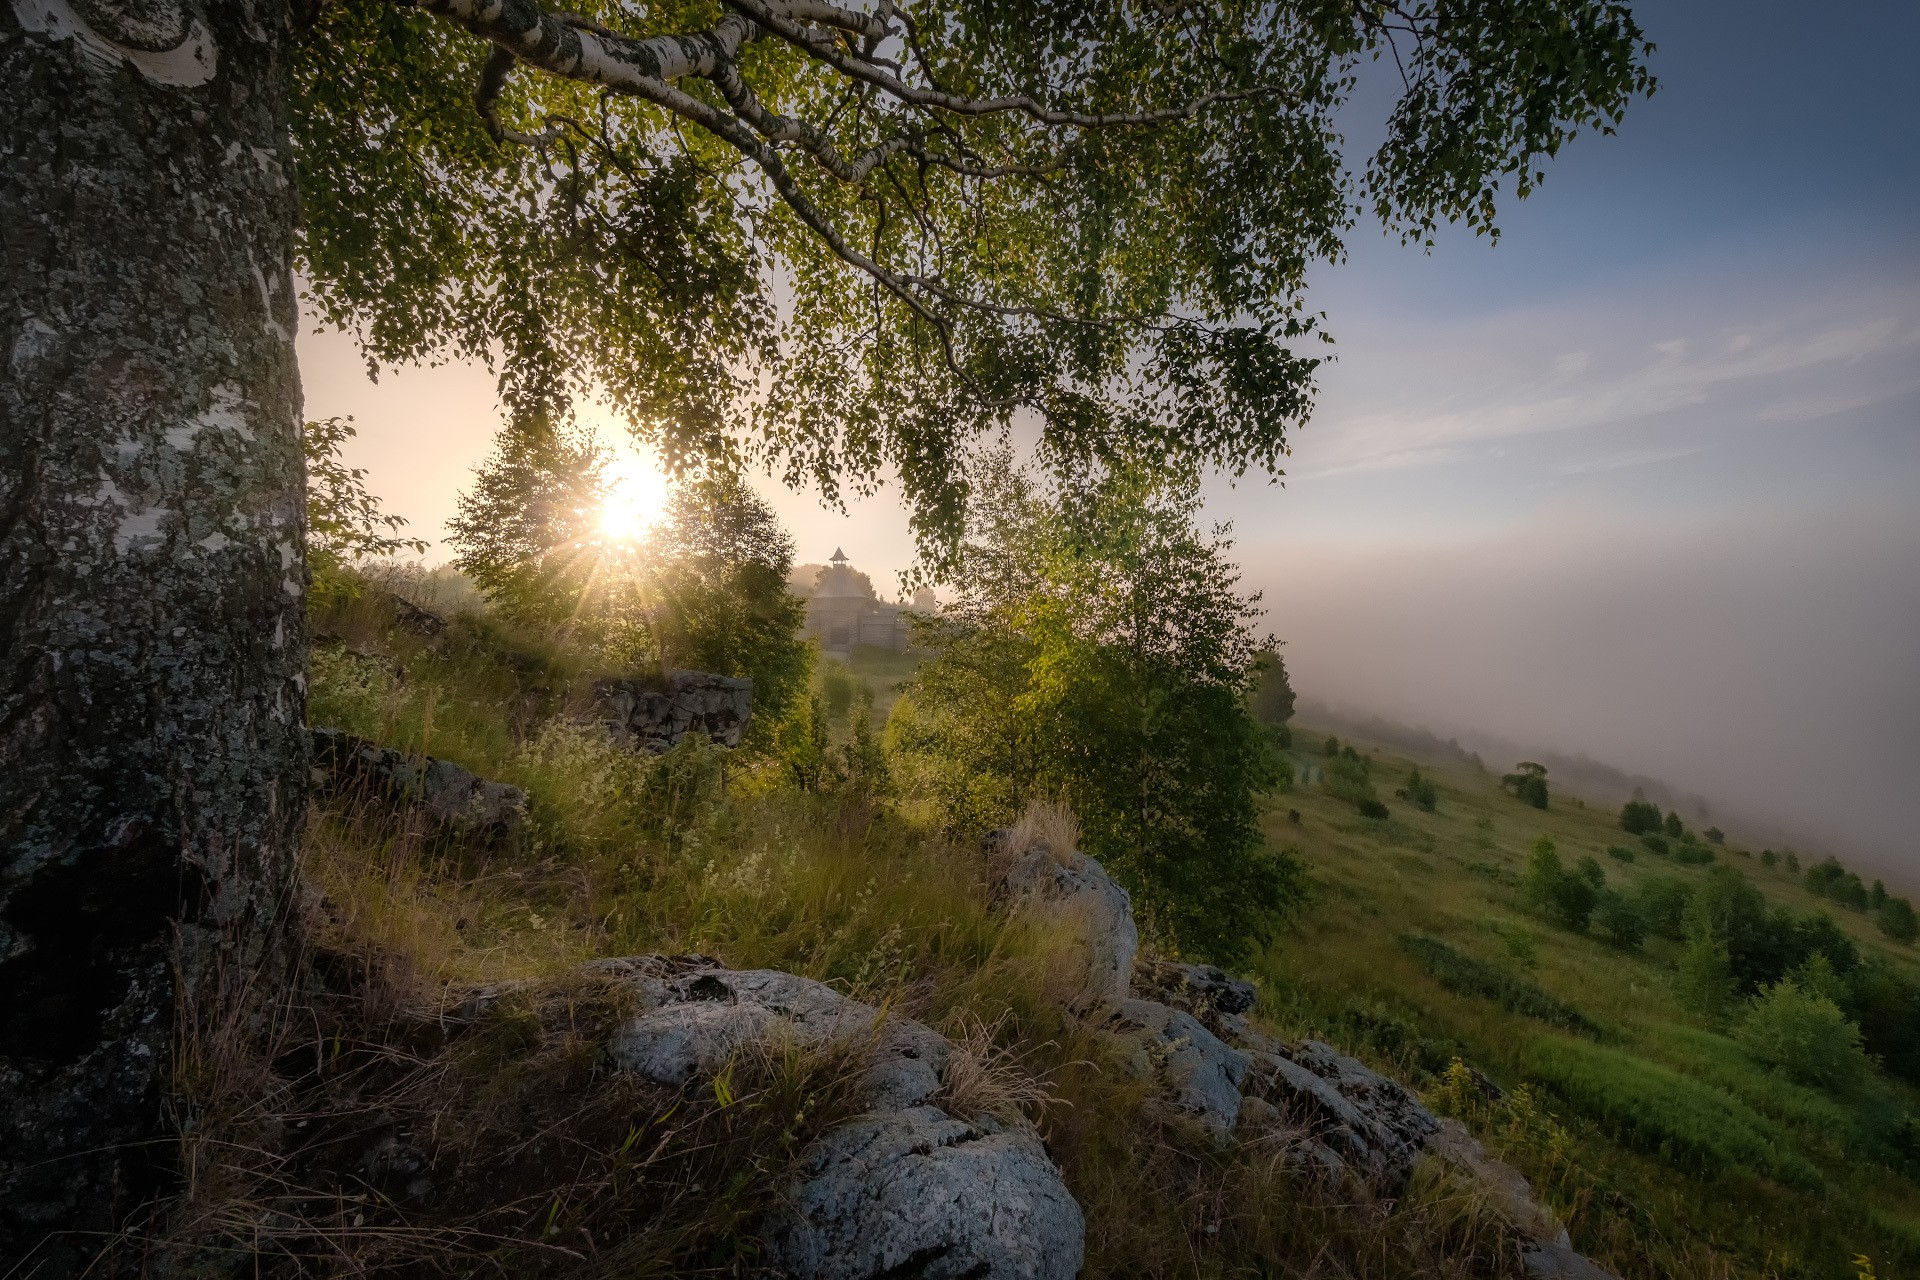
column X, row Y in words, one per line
column 1669, row 1150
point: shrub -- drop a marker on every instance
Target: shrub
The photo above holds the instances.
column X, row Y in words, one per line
column 1715, row 835
column 1705, row 981
column 1528, row 782
column 1675, row 827
column 1619, row 854
column 1371, row 808
column 1638, row 818
column 1420, row 791
column 1655, row 843
column 1332, row 747
column 1803, row 1034
column 1567, row 897
column 1662, row 902
column 1689, row 854
column 1467, row 976
column 1619, row 920
column 1897, row 920
column 1656, row 1109
column 1768, row 857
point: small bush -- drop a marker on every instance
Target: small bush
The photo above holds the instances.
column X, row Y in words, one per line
column 1371, row 808
column 1420, row 791
column 1803, row 1034
column 1715, row 835
column 1638, row 818
column 1654, row 843
column 1619, row 920
column 1689, row 854
column 1662, row 901
column 1528, row 782
column 1619, row 854
column 1567, row 897
column 1464, row 975
column 1674, row 827
column 1897, row 920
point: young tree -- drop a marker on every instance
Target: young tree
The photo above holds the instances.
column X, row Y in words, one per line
column 1420, row 791
column 1528, row 782
column 1000, row 227
column 1705, row 981
column 1122, row 660
column 1273, row 696
column 1675, row 828
column 1568, row 897
column 1897, row 920
column 1639, row 818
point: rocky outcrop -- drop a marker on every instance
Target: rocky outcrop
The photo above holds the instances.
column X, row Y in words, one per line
column 1371, row 1123
column 1199, row 1075
column 450, row 799
column 1206, row 992
column 906, row 1189
column 1075, row 895
column 656, row 716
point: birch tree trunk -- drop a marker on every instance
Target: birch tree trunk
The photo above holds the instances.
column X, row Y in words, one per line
column 152, row 579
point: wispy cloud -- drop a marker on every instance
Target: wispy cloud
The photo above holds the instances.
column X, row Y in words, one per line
column 1427, row 402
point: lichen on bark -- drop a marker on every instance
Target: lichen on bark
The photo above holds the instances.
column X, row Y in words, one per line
column 152, row 580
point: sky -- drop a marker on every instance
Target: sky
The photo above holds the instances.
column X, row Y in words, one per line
column 1639, row 482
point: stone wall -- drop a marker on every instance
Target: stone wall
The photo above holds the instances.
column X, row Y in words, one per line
column 649, row 716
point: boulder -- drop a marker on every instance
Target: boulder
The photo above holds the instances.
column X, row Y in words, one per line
column 1208, row 993
column 451, row 799
column 655, row 716
column 1075, row 893
column 1560, row 1262
column 918, row 1193
column 906, row 1189
column 697, row 1016
column 1201, row 1075
column 1375, row 1125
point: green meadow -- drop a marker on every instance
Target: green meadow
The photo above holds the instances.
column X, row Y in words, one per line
column 1663, row 1143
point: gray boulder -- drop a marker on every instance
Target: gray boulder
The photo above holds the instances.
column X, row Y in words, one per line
column 698, row 1016
column 919, row 1193
column 655, row 716
column 906, row 1189
column 1373, row 1123
column 449, row 798
column 1201, row 1075
column 1076, row 893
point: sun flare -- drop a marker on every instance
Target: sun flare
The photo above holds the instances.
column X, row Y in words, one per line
column 636, row 497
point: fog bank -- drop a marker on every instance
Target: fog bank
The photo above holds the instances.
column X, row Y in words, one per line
column 1767, row 664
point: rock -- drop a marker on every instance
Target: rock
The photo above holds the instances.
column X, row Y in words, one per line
column 697, row 1017
column 1200, row 1074
column 1560, row 1262
column 412, row 619
column 656, row 716
column 1377, row 1127
column 452, row 799
column 1505, row 1186
column 918, row 1193
column 906, row 1189
column 1076, row 892
column 1208, row 993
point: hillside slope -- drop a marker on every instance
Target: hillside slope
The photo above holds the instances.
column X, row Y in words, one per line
column 1667, row 1147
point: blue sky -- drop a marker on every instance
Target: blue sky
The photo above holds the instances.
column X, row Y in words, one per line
column 1639, row 481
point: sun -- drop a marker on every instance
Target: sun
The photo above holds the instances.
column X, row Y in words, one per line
column 636, row 497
